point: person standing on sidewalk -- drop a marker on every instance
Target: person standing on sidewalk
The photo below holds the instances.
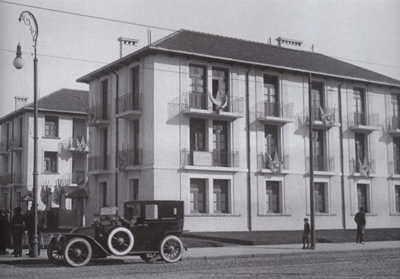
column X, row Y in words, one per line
column 306, row 234
column 17, row 229
column 360, row 220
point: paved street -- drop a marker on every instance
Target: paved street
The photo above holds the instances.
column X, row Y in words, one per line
column 380, row 263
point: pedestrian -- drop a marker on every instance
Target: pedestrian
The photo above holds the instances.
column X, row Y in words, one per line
column 17, row 229
column 360, row 220
column 30, row 227
column 2, row 232
column 7, row 240
column 306, row 234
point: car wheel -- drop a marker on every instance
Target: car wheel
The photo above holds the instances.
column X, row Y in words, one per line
column 171, row 249
column 77, row 252
column 55, row 253
column 149, row 257
column 120, row 241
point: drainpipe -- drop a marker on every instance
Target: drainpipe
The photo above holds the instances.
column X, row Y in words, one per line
column 116, row 138
column 341, row 154
column 249, row 217
column 12, row 166
column 310, row 117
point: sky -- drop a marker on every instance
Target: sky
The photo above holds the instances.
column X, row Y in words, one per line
column 75, row 39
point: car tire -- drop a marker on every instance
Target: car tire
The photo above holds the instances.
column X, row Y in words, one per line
column 120, row 241
column 78, row 252
column 171, row 249
column 55, row 253
column 149, row 257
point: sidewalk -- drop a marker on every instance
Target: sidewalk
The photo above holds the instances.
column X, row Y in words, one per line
column 229, row 252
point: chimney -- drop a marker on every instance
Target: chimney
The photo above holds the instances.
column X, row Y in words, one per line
column 126, row 41
column 289, row 43
column 20, row 102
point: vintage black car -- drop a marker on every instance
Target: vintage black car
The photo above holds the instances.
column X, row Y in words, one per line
column 149, row 229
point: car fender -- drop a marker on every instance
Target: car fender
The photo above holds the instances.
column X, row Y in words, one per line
column 96, row 246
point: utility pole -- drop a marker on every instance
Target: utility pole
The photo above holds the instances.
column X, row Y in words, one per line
column 310, row 113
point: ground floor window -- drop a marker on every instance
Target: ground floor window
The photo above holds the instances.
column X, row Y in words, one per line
column 397, row 197
column 362, row 197
column 273, row 197
column 103, row 194
column 320, row 197
column 198, row 195
column 133, row 190
column 50, row 162
column 221, row 196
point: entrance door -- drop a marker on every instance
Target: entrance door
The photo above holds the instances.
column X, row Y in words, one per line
column 220, row 143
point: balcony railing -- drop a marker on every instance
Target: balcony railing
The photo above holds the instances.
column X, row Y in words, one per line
column 363, row 167
column 393, row 123
column 129, row 157
column 215, row 158
column 265, row 109
column 13, row 178
column 98, row 114
column 128, row 102
column 78, row 144
column 363, row 119
column 273, row 162
column 76, row 177
column 321, row 163
column 324, row 115
column 189, row 101
column 98, row 162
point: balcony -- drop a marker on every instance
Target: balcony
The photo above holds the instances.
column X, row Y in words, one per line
column 199, row 105
column 129, row 158
column 98, row 116
column 274, row 113
column 74, row 178
column 394, row 125
column 321, row 164
column 76, row 145
column 363, row 122
column 322, row 117
column 273, row 163
column 13, row 178
column 214, row 158
column 129, row 106
column 364, row 167
column 98, row 163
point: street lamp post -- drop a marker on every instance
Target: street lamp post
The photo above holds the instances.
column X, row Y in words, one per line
column 30, row 21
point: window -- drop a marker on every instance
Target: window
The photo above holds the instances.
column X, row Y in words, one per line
column 362, row 197
column 198, row 77
column 103, row 194
column 135, row 87
column 197, row 195
column 220, row 143
column 19, row 198
column 359, row 107
column 271, row 139
column 271, row 96
column 219, row 85
column 151, row 211
column 397, row 197
column 51, row 126
column 133, row 191
column 361, row 150
column 273, row 197
column 320, row 198
column 221, row 198
column 50, row 162
column 5, row 200
column 104, row 99
column 103, row 149
column 396, row 154
column 319, row 161
column 317, row 90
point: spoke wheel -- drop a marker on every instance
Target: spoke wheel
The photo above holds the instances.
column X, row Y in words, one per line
column 77, row 252
column 149, row 257
column 55, row 253
column 171, row 249
column 120, row 241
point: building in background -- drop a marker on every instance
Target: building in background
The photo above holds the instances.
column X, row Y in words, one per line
column 62, row 157
column 223, row 124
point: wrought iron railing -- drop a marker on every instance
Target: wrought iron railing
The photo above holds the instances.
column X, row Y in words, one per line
column 128, row 102
column 129, row 157
column 98, row 112
column 273, row 162
column 98, row 162
column 215, row 158
column 362, row 118
column 76, row 143
column 394, row 123
column 362, row 166
column 327, row 115
column 265, row 108
column 321, row 163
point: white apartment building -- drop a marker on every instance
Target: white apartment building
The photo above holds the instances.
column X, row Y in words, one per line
column 62, row 151
column 223, row 124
